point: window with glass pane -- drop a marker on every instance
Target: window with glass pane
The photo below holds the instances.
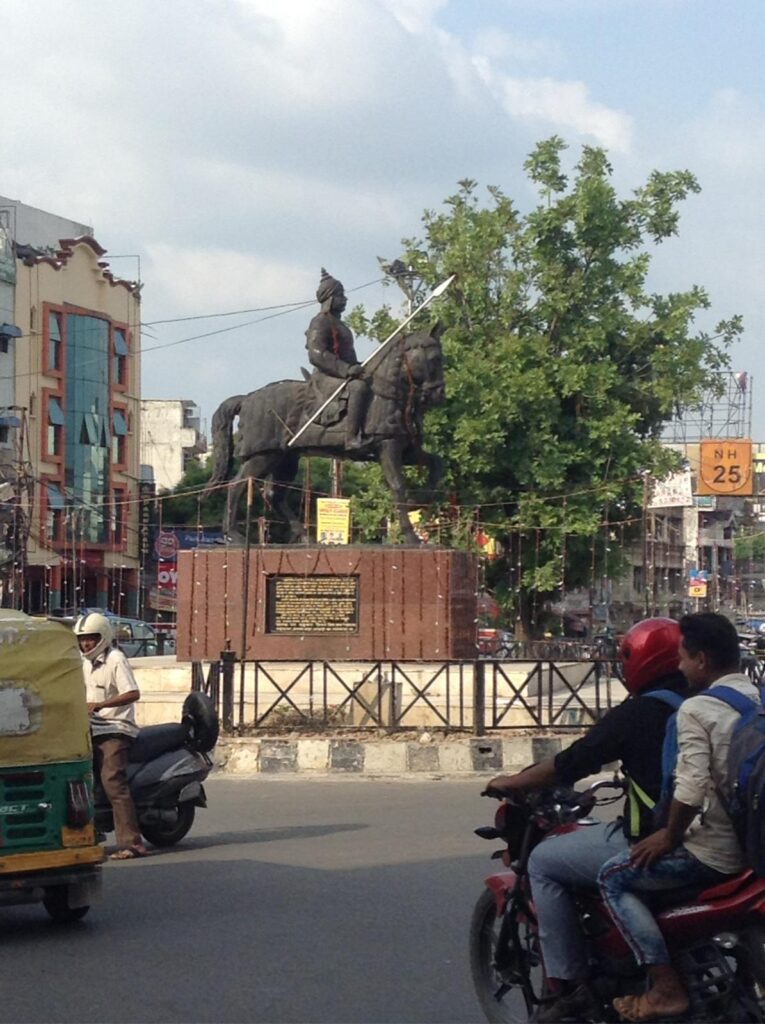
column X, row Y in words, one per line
column 87, row 441
column 54, row 341
column 54, row 439
column 56, row 421
column 121, row 352
column 118, row 450
column 118, row 517
column 54, row 523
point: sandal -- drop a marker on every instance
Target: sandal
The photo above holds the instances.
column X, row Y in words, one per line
column 640, row 1008
column 129, row 853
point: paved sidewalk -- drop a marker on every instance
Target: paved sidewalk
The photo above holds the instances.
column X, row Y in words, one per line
column 387, row 757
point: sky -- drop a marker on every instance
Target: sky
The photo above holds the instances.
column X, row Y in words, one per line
column 226, row 150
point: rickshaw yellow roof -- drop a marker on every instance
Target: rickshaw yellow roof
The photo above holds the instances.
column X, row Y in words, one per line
column 43, row 713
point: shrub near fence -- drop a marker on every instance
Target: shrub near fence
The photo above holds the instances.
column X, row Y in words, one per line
column 467, row 696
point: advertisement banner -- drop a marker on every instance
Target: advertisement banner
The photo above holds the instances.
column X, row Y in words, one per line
column 166, row 542
column 674, row 491
column 697, row 589
column 333, row 520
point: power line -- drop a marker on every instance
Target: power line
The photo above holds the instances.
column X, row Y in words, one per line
column 281, row 310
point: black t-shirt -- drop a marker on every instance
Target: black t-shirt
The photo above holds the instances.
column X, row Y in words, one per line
column 632, row 733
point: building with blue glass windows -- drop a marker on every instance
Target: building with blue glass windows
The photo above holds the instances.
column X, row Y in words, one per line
column 78, row 380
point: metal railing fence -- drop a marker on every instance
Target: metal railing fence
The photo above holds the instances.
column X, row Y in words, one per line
column 450, row 696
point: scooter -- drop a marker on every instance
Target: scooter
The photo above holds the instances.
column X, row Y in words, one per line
column 716, row 937
column 168, row 764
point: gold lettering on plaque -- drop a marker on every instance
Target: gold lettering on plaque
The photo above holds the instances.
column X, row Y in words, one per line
column 313, row 604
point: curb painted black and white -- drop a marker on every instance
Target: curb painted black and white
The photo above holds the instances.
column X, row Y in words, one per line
column 385, row 757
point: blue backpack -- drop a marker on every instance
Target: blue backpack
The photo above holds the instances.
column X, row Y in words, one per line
column 636, row 794
column 746, row 772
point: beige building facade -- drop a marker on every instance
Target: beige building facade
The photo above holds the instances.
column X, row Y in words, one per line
column 78, row 378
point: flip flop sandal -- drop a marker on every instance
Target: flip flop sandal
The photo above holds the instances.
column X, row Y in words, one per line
column 128, row 853
column 638, row 1009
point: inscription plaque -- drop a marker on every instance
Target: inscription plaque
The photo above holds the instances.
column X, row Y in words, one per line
column 312, row 604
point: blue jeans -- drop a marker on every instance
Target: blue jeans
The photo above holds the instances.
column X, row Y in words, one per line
column 557, row 866
column 621, row 884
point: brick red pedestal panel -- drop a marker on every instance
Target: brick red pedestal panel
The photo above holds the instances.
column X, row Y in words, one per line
column 413, row 603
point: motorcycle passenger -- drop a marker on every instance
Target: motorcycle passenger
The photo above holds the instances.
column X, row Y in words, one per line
column 111, row 691
column 633, row 734
column 698, row 846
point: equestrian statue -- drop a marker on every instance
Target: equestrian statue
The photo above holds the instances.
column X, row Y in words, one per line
column 370, row 412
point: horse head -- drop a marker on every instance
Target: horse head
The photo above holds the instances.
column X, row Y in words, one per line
column 413, row 366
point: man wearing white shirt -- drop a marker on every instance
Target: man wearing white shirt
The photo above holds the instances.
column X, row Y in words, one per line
column 698, row 845
column 111, row 691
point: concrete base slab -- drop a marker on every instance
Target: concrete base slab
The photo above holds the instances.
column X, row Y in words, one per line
column 313, row 755
column 385, row 757
column 483, row 757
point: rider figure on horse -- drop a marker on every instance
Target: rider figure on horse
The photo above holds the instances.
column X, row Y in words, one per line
column 330, row 350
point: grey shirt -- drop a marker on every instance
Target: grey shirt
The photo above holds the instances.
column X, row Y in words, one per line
column 704, row 729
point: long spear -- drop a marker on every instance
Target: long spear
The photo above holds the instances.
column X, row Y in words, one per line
column 438, row 290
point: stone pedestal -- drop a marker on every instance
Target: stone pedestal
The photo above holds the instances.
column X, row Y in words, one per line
column 327, row 604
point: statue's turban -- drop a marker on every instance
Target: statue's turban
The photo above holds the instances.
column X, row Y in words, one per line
column 328, row 287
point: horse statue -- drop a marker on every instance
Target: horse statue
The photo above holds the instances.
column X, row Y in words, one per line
column 405, row 380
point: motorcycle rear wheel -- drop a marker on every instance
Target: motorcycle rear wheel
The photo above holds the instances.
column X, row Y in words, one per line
column 161, row 833
column 505, row 998
column 751, row 969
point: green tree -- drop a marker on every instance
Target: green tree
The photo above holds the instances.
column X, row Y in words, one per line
column 562, row 367
column 187, row 505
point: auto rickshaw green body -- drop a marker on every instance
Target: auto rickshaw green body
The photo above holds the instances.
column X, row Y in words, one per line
column 48, row 849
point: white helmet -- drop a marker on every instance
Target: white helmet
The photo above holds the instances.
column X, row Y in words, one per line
column 95, row 624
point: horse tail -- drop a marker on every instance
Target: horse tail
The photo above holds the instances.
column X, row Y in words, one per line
column 223, row 440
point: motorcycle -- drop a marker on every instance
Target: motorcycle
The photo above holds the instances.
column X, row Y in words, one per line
column 716, row 937
column 168, row 764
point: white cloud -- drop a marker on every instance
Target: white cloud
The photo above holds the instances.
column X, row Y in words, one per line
column 565, row 106
column 416, row 16
column 497, row 46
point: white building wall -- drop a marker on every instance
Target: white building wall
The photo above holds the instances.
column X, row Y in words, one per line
column 29, row 226
column 169, row 436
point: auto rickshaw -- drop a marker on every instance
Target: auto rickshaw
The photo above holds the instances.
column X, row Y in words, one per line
column 48, row 849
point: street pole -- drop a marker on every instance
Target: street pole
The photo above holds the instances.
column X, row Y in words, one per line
column 645, row 545
column 245, row 596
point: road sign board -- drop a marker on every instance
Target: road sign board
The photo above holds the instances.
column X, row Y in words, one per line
column 725, row 467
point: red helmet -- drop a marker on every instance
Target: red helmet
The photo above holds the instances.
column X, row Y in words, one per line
column 649, row 651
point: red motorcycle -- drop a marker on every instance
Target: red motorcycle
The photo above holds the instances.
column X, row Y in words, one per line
column 717, row 937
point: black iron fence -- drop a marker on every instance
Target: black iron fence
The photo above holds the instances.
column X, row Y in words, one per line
column 454, row 696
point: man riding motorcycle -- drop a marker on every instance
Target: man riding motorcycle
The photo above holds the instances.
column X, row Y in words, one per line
column 632, row 733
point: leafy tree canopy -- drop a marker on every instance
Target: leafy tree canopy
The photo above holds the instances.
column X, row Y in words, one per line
column 562, row 367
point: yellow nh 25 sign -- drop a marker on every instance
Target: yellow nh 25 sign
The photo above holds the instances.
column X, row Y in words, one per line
column 725, row 467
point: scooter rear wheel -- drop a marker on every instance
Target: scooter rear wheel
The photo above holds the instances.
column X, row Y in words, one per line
column 161, row 833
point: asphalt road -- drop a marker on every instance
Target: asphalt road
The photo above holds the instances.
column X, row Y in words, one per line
column 291, row 900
